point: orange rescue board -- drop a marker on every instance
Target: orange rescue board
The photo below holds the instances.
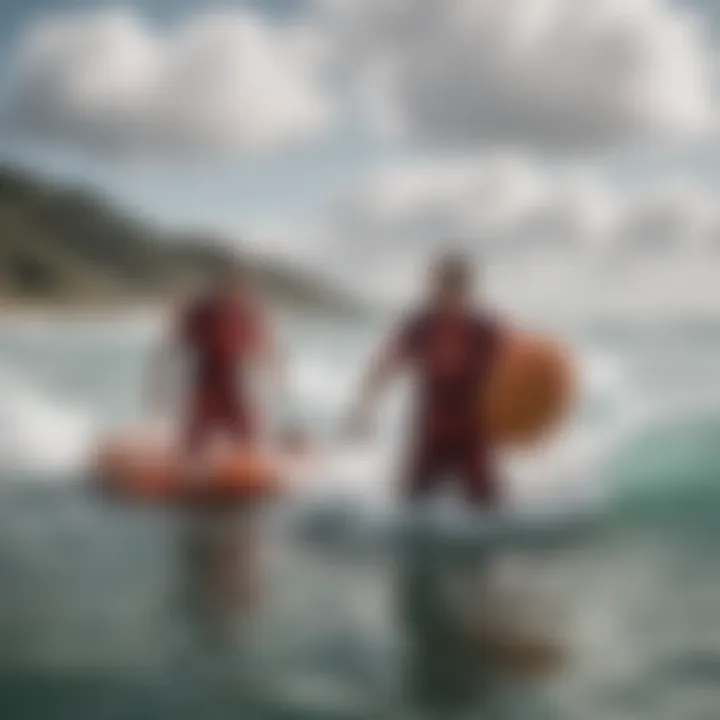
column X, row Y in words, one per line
column 531, row 391
column 159, row 475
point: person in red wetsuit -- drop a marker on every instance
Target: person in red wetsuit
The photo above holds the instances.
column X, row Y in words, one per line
column 222, row 332
column 449, row 346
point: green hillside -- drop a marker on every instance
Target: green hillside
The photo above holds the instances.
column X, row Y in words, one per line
column 67, row 245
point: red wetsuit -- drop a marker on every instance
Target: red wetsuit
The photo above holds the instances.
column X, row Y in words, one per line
column 451, row 355
column 221, row 334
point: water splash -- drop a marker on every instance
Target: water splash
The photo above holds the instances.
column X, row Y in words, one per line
column 40, row 433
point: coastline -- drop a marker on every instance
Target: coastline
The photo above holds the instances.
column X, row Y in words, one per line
column 121, row 308
column 13, row 308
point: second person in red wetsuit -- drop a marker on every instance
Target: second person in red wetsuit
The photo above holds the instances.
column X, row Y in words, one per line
column 222, row 332
column 449, row 346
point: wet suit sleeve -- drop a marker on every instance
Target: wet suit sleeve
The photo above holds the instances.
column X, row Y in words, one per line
column 183, row 326
column 405, row 342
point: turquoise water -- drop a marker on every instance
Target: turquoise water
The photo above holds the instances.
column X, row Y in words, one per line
column 104, row 613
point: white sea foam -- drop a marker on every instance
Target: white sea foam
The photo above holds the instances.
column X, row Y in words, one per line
column 42, row 430
column 39, row 433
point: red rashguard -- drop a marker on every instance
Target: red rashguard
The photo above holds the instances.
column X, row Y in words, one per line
column 221, row 335
column 451, row 356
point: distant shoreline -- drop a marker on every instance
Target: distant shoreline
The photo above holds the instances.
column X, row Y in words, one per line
column 13, row 308
column 66, row 308
column 67, row 251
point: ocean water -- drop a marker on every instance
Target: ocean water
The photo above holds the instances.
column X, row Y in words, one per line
column 117, row 612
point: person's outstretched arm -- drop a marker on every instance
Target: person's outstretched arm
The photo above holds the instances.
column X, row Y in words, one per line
column 386, row 364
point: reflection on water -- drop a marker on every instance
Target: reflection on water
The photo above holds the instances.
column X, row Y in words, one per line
column 442, row 663
column 219, row 557
column 117, row 612
column 460, row 639
column 126, row 610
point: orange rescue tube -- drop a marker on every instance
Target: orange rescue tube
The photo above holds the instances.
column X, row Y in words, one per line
column 156, row 474
column 531, row 390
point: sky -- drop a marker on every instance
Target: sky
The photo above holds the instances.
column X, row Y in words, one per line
column 570, row 145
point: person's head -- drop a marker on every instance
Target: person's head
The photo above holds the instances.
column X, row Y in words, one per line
column 452, row 281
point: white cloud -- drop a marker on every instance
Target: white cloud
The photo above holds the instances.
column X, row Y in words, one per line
column 562, row 74
column 668, row 217
column 500, row 206
column 219, row 83
column 542, row 74
column 560, row 237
